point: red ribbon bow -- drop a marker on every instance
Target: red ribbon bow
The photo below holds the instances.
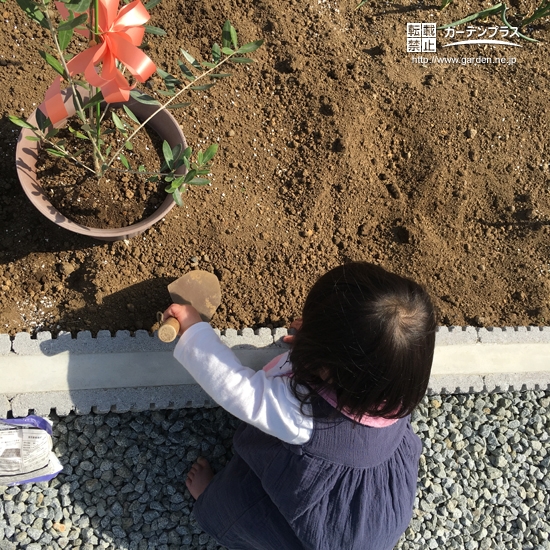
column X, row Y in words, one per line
column 119, row 36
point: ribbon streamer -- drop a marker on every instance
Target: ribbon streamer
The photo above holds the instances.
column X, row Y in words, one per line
column 119, row 36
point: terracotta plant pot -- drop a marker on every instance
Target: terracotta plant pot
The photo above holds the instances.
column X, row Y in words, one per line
column 163, row 123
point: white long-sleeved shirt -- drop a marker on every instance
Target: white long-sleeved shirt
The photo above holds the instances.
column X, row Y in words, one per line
column 263, row 398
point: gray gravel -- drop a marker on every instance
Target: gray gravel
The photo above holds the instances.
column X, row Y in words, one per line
column 483, row 478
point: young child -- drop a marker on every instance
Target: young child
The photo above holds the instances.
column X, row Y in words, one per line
column 326, row 458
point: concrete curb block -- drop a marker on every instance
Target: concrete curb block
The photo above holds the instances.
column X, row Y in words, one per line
column 116, row 400
column 514, row 335
column 137, row 372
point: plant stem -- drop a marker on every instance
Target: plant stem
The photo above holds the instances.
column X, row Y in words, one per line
column 69, row 157
column 78, row 106
column 96, row 32
column 162, row 107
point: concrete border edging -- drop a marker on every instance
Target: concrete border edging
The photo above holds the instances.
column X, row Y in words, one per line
column 137, row 372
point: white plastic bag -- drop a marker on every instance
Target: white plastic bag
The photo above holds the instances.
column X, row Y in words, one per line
column 26, row 454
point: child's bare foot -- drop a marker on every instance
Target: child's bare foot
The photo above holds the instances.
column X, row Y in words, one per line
column 199, row 477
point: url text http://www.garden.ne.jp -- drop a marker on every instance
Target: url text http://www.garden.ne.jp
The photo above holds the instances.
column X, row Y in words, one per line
column 434, row 59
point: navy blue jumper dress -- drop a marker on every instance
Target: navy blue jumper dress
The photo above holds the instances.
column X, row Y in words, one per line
column 350, row 487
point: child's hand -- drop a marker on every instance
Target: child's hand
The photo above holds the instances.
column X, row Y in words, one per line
column 296, row 325
column 187, row 316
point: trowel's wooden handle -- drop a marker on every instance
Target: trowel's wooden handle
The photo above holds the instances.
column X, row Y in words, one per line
column 169, row 330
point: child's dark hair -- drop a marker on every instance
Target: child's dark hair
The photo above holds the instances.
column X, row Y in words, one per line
column 368, row 335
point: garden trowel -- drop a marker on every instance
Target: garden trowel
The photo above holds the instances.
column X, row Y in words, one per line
column 200, row 289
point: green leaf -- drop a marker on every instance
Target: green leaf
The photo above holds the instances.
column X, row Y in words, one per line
column 190, row 175
column 227, row 50
column 178, row 105
column 118, row 123
column 170, row 81
column 241, row 60
column 178, row 163
column 98, row 98
column 167, row 93
column 210, row 152
column 42, row 120
column 445, row 3
column 216, row 53
column 177, row 151
column 131, row 115
column 129, row 146
column 73, row 23
column 52, row 133
column 155, row 30
column 64, row 39
column 124, row 161
column 167, row 152
column 78, row 6
column 143, row 98
column 198, row 181
column 208, row 65
column 33, row 138
column 56, row 153
column 199, row 158
column 191, row 59
column 77, row 100
column 151, row 4
column 220, row 75
column 253, row 46
column 22, row 123
column 203, row 87
column 234, row 37
column 188, row 152
column 175, row 183
column 34, row 12
column 226, row 35
column 108, row 151
column 185, row 70
column 141, row 168
column 52, row 62
column 77, row 133
column 177, row 197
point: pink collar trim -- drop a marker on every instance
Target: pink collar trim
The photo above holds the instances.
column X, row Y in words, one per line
column 365, row 420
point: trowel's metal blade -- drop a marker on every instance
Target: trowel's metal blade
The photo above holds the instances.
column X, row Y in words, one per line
column 201, row 289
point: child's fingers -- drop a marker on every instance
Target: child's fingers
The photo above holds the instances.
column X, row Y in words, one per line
column 186, row 315
column 172, row 311
column 295, row 325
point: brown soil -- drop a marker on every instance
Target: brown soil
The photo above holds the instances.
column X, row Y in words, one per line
column 334, row 146
column 116, row 200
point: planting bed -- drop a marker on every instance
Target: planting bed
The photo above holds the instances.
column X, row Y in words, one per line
column 334, row 145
